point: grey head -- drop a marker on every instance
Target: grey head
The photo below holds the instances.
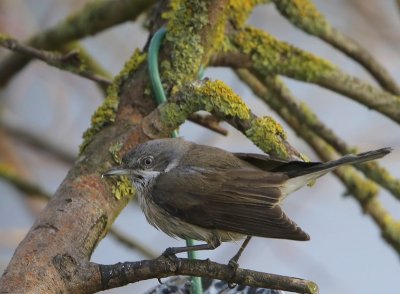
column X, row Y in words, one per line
column 146, row 161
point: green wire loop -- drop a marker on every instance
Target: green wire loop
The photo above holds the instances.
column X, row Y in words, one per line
column 158, row 91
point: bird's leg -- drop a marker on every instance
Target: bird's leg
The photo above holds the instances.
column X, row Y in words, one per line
column 209, row 246
column 233, row 262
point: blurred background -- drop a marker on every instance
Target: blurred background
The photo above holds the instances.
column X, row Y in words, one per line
column 42, row 104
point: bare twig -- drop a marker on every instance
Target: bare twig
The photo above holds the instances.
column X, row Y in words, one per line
column 208, row 121
column 36, row 141
column 70, row 61
column 132, row 243
column 22, row 185
column 91, row 277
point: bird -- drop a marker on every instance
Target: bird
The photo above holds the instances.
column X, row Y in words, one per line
column 189, row 190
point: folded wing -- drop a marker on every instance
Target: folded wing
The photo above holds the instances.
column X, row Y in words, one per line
column 242, row 200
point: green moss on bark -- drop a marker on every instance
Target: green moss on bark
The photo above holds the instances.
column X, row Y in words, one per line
column 272, row 57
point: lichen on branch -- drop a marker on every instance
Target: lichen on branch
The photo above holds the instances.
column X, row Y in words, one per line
column 105, row 114
column 304, row 14
column 271, row 56
column 216, row 97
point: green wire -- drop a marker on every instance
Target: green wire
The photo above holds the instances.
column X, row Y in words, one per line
column 158, row 91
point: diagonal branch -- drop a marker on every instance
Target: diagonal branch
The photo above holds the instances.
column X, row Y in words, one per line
column 268, row 56
column 305, row 15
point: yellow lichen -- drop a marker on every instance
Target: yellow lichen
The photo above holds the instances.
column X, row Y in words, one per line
column 239, row 10
column 4, row 37
column 122, row 186
column 114, row 149
column 105, row 114
column 268, row 135
column 186, row 19
column 272, row 57
column 304, row 14
column 212, row 96
column 361, row 188
column 312, row 287
column 217, row 96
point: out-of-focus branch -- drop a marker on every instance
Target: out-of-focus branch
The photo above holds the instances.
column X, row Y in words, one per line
column 363, row 190
column 208, row 121
column 267, row 56
column 132, row 243
column 95, row 17
column 36, row 141
column 305, row 15
column 22, row 185
column 372, row 169
column 70, row 61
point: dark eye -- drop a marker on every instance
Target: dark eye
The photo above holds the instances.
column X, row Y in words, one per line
column 147, row 161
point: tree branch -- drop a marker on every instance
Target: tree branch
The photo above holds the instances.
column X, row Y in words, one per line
column 95, row 17
column 83, row 209
column 70, row 61
column 305, row 15
column 221, row 101
column 88, row 277
column 268, row 56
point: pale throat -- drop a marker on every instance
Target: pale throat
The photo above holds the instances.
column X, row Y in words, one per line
column 145, row 180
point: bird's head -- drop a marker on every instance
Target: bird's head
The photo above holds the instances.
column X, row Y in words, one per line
column 148, row 160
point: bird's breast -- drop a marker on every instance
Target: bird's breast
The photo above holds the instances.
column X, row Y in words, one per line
column 177, row 228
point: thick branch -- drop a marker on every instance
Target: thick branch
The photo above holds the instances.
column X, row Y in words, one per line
column 82, row 210
column 92, row 19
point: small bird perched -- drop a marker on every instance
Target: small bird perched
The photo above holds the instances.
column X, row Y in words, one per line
column 205, row 193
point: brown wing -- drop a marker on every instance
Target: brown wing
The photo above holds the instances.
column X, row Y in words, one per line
column 242, row 200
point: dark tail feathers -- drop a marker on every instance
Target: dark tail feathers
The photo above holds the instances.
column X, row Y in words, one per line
column 296, row 169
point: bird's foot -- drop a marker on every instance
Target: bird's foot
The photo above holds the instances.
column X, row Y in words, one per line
column 170, row 253
column 234, row 265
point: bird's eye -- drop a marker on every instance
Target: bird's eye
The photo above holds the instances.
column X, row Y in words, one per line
column 147, row 161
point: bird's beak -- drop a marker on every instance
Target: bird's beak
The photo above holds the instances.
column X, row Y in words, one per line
column 118, row 172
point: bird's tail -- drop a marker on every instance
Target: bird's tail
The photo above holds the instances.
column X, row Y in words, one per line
column 300, row 173
column 347, row 159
